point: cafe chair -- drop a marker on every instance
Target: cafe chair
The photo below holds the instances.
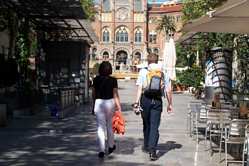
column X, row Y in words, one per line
column 235, row 135
column 198, row 118
column 216, row 120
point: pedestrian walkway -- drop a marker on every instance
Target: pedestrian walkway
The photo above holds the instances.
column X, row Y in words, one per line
column 36, row 141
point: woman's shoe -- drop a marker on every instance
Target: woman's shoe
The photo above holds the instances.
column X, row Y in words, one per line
column 110, row 150
column 101, row 154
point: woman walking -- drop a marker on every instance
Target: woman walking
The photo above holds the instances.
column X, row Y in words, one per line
column 105, row 101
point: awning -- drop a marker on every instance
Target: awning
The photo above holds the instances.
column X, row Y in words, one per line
column 232, row 17
column 54, row 15
column 187, row 38
column 222, row 25
column 233, row 8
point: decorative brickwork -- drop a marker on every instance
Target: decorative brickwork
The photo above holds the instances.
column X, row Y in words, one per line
column 127, row 32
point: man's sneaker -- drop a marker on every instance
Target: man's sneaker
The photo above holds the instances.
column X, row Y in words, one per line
column 101, row 154
column 153, row 156
column 110, row 150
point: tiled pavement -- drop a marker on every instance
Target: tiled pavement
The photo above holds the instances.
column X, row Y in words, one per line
column 33, row 141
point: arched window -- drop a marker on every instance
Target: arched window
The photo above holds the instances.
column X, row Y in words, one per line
column 137, row 5
column 106, row 5
column 106, row 35
column 156, row 50
column 94, row 50
column 122, row 34
column 137, row 55
column 138, row 35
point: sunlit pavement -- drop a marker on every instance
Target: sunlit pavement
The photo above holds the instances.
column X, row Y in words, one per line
column 72, row 141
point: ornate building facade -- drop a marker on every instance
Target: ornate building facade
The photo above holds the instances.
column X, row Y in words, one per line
column 127, row 32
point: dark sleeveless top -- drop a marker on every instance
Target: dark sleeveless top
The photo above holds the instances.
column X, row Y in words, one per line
column 104, row 86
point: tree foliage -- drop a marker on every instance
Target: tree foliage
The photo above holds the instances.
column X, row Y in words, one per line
column 167, row 25
column 241, row 47
column 88, row 7
column 194, row 9
column 181, row 53
column 191, row 77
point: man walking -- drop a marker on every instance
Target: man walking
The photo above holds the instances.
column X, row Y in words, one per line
column 150, row 102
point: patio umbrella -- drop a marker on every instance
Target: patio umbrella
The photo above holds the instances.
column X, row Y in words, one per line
column 218, row 24
column 169, row 62
column 233, row 8
column 169, row 58
column 232, row 17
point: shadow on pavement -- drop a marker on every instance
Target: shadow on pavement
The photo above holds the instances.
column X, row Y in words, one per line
column 127, row 145
column 126, row 107
column 46, row 142
column 127, row 164
column 168, row 146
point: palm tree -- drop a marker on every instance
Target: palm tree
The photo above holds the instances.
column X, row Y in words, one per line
column 166, row 24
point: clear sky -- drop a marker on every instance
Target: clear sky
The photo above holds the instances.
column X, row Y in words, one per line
column 157, row 1
column 149, row 1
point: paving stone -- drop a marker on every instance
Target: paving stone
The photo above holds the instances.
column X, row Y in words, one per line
column 72, row 141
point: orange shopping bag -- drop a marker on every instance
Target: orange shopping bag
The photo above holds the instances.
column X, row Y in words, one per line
column 118, row 123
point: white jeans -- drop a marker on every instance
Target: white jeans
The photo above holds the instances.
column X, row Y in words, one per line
column 104, row 110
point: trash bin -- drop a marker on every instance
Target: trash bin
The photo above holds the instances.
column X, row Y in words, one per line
column 3, row 114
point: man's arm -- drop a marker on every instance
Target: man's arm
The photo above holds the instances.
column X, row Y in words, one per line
column 139, row 92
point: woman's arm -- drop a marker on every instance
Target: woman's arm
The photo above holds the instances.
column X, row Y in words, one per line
column 116, row 99
column 93, row 99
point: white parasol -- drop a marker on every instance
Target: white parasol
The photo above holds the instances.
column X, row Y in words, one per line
column 169, row 59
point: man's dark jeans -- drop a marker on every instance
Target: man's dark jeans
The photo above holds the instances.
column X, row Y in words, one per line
column 151, row 116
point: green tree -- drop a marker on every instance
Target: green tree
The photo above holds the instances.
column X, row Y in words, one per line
column 191, row 77
column 195, row 9
column 181, row 53
column 167, row 25
column 88, row 7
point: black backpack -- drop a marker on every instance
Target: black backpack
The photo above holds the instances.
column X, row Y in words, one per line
column 155, row 84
